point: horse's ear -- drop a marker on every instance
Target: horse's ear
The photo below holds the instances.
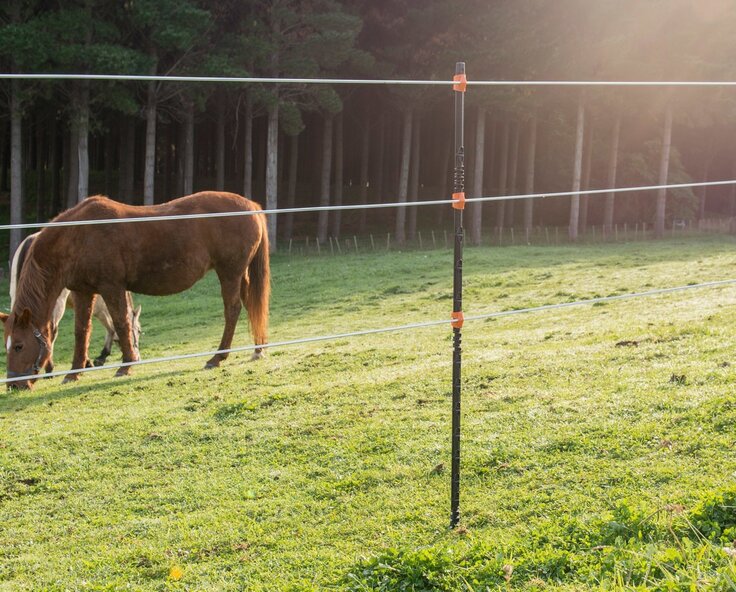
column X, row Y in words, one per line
column 24, row 318
column 4, row 317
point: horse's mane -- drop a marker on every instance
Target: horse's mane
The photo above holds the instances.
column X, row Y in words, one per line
column 16, row 265
column 31, row 289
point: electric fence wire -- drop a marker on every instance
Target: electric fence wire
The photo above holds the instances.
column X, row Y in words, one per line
column 348, row 207
column 365, row 81
column 369, row 332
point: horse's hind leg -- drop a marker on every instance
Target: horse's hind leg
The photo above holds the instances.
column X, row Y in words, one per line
column 83, row 304
column 117, row 305
column 230, row 289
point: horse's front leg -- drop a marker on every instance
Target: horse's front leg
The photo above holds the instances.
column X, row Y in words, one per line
column 83, row 305
column 117, row 305
column 230, row 290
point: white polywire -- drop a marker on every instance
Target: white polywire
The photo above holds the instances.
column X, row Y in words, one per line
column 372, row 206
column 492, row 315
column 364, row 81
column 221, row 79
column 599, row 191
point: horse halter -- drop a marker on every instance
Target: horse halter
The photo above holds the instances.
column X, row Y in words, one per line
column 42, row 350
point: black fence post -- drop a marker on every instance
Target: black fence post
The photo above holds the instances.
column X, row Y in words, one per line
column 458, row 204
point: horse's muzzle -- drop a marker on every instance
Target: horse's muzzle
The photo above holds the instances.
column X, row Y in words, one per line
column 21, row 385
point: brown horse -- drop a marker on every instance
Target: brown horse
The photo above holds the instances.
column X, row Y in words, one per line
column 156, row 258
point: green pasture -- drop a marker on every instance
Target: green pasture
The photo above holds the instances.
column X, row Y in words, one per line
column 599, row 442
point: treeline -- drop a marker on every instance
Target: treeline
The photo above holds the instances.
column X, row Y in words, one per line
column 292, row 145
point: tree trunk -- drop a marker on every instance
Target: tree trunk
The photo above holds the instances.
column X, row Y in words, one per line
column 272, row 172
column 414, row 171
column 108, row 156
column 127, row 162
column 324, row 197
column 248, row 148
column 703, row 193
column 513, row 171
column 220, row 145
column 188, row 179
column 337, row 215
column 585, row 183
column 612, row 169
column 72, row 190
column 16, row 166
column 291, row 193
column 380, row 158
column 168, row 172
column 55, row 200
column 446, row 160
column 489, row 173
column 477, row 208
column 3, row 152
column 83, row 146
column 577, row 172
column 503, row 172
column 149, row 170
column 531, row 149
column 364, row 163
column 732, row 202
column 664, row 166
column 404, row 175
column 41, row 151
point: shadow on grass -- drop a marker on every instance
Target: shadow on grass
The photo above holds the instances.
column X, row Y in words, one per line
column 14, row 401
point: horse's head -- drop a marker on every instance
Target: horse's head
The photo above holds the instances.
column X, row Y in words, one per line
column 28, row 349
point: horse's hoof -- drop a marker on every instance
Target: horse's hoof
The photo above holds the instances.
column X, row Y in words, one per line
column 258, row 355
column 70, row 378
column 211, row 365
column 99, row 362
column 123, row 372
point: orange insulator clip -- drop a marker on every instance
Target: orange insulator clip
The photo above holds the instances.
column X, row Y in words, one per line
column 461, row 82
column 457, row 319
column 458, row 200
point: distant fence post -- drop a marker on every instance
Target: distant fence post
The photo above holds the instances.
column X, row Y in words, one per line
column 458, row 204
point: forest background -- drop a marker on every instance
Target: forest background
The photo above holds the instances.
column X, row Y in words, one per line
column 290, row 145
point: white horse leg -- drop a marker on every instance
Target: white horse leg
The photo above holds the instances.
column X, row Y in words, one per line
column 118, row 309
column 102, row 314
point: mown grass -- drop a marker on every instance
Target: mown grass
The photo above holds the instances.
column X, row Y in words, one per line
column 599, row 443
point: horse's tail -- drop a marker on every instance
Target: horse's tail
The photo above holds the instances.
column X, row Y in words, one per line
column 255, row 288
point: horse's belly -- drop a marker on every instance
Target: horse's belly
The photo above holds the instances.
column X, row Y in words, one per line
column 166, row 280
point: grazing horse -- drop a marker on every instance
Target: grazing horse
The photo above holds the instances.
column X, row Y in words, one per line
column 100, row 311
column 157, row 257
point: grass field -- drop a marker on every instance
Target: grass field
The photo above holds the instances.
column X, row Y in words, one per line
column 599, row 442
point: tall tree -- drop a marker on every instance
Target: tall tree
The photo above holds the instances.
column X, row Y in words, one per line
column 577, row 170
column 609, row 204
column 479, row 169
column 172, row 33
column 664, row 163
column 23, row 47
column 530, row 169
column 299, row 38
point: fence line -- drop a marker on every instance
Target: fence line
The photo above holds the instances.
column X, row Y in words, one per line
column 370, row 206
column 368, row 332
column 367, row 81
